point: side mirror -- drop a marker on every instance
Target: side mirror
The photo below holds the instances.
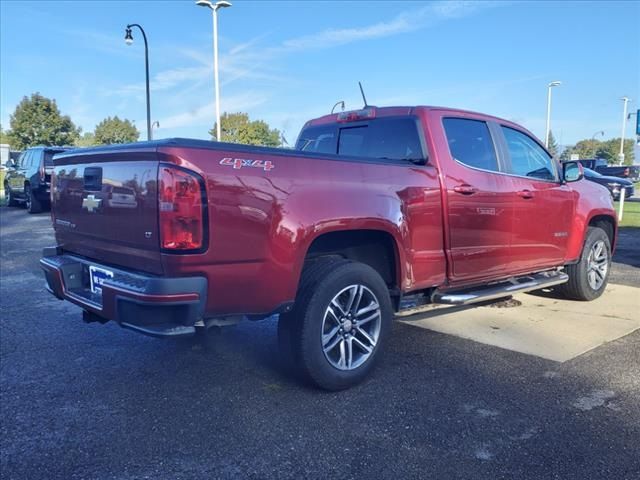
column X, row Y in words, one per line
column 572, row 172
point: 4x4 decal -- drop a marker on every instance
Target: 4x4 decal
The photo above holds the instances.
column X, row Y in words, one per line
column 238, row 163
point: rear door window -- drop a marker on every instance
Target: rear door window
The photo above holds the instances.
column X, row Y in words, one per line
column 20, row 159
column 26, row 160
column 470, row 143
column 528, row 159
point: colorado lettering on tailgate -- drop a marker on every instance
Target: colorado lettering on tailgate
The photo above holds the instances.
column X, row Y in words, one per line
column 238, row 163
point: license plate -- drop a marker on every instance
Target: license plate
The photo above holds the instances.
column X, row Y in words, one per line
column 97, row 276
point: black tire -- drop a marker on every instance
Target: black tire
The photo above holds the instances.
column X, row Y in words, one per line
column 321, row 282
column 579, row 286
column 11, row 200
column 32, row 203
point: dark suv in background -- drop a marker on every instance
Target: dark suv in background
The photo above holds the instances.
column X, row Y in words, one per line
column 28, row 179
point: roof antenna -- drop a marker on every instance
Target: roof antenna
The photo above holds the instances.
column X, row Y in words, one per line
column 363, row 97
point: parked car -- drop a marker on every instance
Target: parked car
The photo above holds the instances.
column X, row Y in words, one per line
column 613, row 184
column 28, row 179
column 375, row 210
column 632, row 172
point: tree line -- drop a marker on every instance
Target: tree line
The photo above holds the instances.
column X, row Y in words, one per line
column 37, row 120
column 605, row 149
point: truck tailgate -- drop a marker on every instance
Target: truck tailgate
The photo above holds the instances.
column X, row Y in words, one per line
column 105, row 207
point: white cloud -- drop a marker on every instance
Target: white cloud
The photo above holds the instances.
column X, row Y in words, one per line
column 185, row 85
column 404, row 22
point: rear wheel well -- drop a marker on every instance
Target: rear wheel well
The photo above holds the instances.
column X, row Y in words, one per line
column 606, row 223
column 371, row 247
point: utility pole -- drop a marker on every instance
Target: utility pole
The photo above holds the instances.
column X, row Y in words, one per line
column 626, row 101
column 548, row 129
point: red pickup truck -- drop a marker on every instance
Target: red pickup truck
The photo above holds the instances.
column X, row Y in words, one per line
column 374, row 211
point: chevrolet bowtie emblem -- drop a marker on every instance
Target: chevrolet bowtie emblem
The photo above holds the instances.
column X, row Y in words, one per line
column 91, row 203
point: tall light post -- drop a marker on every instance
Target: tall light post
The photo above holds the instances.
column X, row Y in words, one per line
column 555, row 83
column 214, row 8
column 599, row 132
column 128, row 39
column 626, row 101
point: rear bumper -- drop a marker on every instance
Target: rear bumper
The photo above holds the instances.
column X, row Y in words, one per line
column 156, row 306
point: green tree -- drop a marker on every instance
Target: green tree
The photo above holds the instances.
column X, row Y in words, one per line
column 607, row 150
column 586, row 148
column 86, row 140
column 4, row 137
column 553, row 145
column 113, row 130
column 238, row 128
column 38, row 121
column 610, row 149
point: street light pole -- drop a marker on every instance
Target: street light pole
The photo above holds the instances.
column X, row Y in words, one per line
column 599, row 132
column 214, row 8
column 626, row 101
column 128, row 38
column 549, row 87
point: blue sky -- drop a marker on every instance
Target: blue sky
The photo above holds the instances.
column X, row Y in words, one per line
column 286, row 62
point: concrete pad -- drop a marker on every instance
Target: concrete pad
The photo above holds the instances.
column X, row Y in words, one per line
column 544, row 325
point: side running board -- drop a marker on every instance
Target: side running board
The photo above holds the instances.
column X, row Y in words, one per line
column 494, row 291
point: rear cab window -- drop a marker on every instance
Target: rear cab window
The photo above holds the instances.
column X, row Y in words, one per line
column 386, row 138
column 318, row 139
column 528, row 158
column 48, row 156
column 470, row 143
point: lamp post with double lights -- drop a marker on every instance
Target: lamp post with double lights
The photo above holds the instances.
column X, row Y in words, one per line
column 214, row 8
column 549, row 87
column 626, row 101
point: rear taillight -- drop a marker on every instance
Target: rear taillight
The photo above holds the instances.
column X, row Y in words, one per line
column 180, row 201
column 42, row 172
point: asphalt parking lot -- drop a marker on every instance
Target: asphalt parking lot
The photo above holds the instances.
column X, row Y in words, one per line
column 96, row 401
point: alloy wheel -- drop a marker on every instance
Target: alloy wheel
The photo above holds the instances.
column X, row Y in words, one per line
column 597, row 265
column 351, row 327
